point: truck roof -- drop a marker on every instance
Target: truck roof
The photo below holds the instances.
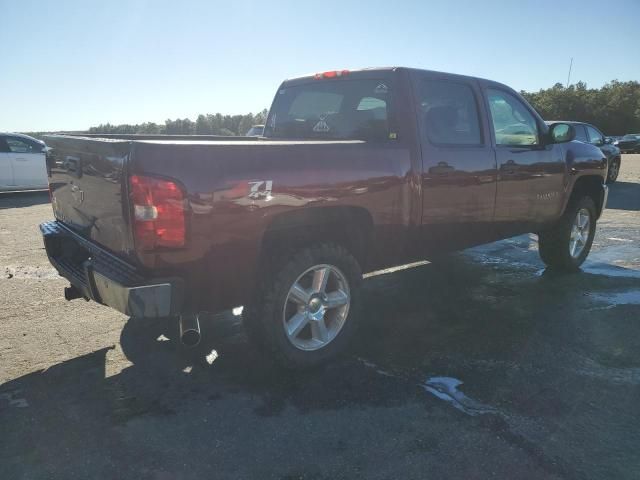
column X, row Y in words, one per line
column 374, row 72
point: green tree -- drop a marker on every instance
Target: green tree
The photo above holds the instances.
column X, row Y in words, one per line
column 203, row 125
column 614, row 108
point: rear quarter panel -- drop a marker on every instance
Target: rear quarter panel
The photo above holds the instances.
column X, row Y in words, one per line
column 227, row 219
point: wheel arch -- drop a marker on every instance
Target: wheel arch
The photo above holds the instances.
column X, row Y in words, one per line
column 349, row 226
column 592, row 186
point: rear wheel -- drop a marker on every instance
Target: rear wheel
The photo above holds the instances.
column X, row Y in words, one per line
column 614, row 170
column 567, row 244
column 307, row 308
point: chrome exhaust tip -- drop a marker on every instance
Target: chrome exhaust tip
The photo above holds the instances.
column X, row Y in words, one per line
column 190, row 330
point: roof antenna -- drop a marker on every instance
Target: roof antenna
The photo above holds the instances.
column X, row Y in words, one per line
column 569, row 76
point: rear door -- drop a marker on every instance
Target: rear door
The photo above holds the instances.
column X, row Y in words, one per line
column 28, row 162
column 6, row 170
column 530, row 173
column 458, row 162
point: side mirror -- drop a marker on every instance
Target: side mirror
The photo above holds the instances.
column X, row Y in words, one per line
column 607, row 141
column 561, row 132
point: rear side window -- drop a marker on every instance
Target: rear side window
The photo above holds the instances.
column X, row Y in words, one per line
column 450, row 113
column 333, row 110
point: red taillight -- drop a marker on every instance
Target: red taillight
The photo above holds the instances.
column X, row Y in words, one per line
column 331, row 74
column 158, row 213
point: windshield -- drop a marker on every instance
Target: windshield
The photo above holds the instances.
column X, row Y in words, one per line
column 631, row 137
column 332, row 109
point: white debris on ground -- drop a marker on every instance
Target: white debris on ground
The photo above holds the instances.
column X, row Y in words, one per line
column 446, row 388
column 211, row 357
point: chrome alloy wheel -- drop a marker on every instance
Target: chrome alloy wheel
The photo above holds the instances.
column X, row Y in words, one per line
column 316, row 307
column 579, row 233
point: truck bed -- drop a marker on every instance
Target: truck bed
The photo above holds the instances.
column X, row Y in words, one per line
column 235, row 192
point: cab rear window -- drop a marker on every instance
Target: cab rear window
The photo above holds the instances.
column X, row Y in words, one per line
column 332, row 109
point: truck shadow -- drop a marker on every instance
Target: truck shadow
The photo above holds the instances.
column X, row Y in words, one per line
column 624, row 196
column 439, row 319
column 23, row 199
column 415, row 319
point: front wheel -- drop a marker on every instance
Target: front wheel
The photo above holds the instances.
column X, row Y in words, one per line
column 567, row 244
column 307, row 309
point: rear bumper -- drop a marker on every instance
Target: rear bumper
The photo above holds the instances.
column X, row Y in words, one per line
column 100, row 276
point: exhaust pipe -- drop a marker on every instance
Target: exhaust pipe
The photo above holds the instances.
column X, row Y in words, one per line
column 189, row 330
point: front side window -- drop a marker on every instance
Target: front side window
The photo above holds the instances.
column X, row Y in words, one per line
column 513, row 123
column 595, row 136
column 332, row 109
column 450, row 113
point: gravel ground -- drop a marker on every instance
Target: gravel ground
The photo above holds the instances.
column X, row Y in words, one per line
column 484, row 366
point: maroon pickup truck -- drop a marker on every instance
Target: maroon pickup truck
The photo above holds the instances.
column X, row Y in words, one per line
column 356, row 171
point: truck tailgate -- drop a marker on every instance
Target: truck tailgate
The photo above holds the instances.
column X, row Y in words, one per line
column 87, row 180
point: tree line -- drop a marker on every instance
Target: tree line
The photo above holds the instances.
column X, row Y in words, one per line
column 209, row 124
column 613, row 108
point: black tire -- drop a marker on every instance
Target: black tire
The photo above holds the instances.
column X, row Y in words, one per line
column 264, row 318
column 613, row 171
column 554, row 244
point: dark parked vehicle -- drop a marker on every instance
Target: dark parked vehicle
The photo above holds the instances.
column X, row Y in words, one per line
column 630, row 143
column 357, row 171
column 587, row 133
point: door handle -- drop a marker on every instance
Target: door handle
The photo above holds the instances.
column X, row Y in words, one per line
column 509, row 168
column 20, row 159
column 441, row 169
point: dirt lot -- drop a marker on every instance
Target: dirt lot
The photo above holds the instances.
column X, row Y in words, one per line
column 550, row 367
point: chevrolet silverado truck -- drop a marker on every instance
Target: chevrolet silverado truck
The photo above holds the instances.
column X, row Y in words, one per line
column 356, row 171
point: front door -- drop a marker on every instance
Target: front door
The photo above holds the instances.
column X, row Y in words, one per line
column 530, row 173
column 458, row 162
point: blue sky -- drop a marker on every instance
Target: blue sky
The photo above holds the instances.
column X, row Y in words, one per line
column 75, row 64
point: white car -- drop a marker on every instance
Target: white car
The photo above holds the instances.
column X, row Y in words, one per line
column 22, row 163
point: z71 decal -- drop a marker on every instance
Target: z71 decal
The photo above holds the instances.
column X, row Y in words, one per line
column 261, row 189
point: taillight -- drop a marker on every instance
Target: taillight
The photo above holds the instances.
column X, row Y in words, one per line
column 331, row 74
column 158, row 212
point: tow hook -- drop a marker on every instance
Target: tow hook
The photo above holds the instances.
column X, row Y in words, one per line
column 71, row 293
